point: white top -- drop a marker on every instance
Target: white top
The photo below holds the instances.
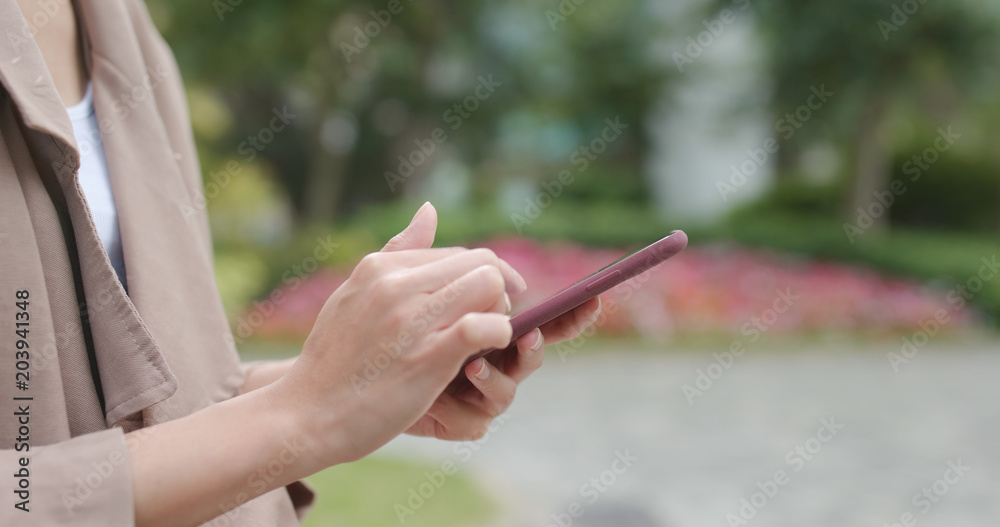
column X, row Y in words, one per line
column 95, row 180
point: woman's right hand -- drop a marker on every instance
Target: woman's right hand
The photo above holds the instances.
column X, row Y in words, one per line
column 392, row 337
column 384, row 348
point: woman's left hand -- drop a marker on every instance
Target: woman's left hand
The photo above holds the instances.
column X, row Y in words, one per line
column 466, row 409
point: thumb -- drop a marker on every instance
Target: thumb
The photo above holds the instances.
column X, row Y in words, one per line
column 419, row 234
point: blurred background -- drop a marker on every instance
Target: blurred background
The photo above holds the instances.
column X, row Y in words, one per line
column 823, row 352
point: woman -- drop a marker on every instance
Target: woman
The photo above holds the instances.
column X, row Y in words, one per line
column 124, row 401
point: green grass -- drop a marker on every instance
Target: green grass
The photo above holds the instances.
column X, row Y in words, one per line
column 367, row 493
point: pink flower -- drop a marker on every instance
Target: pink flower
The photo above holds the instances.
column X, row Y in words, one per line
column 713, row 289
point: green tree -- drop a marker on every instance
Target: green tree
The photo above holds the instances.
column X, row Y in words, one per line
column 882, row 59
column 371, row 77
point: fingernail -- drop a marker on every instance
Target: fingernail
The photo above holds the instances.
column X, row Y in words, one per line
column 506, row 298
column 539, row 340
column 522, row 286
column 419, row 212
column 483, row 372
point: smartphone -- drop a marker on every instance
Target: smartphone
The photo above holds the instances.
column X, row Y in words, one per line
column 564, row 301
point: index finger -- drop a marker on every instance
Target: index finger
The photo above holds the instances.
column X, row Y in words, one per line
column 436, row 273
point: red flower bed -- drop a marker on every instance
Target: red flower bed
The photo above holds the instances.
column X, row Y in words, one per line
column 706, row 289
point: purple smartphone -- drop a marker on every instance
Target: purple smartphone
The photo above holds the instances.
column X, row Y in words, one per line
column 575, row 295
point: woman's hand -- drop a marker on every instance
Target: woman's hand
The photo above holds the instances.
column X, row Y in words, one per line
column 485, row 391
column 389, row 341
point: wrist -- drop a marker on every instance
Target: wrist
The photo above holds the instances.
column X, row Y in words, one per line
column 261, row 374
column 316, row 429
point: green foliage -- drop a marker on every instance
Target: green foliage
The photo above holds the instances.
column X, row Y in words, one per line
column 562, row 81
column 246, row 272
column 793, row 196
column 858, row 43
column 239, row 275
column 944, row 259
column 607, row 184
column 598, row 224
column 785, row 221
column 887, row 62
column 956, row 194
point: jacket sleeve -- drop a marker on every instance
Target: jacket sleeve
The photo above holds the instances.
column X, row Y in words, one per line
column 84, row 482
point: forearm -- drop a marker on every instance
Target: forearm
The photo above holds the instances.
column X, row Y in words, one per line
column 265, row 373
column 324, row 408
column 188, row 471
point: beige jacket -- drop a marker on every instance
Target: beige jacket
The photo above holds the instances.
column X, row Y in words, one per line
column 164, row 349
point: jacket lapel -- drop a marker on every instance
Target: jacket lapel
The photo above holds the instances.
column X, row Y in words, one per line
column 26, row 78
column 133, row 372
column 167, row 250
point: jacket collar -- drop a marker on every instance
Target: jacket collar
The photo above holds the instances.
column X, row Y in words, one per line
column 27, row 80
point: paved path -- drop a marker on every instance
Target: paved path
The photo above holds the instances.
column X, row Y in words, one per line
column 895, row 435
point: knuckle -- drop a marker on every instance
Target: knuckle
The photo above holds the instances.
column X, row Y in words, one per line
column 392, row 281
column 487, row 255
column 500, row 306
column 370, row 264
column 440, row 405
column 506, row 332
column 398, row 319
column 493, row 283
column 502, row 402
column 534, row 363
column 478, row 430
column 383, row 285
column 468, row 331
